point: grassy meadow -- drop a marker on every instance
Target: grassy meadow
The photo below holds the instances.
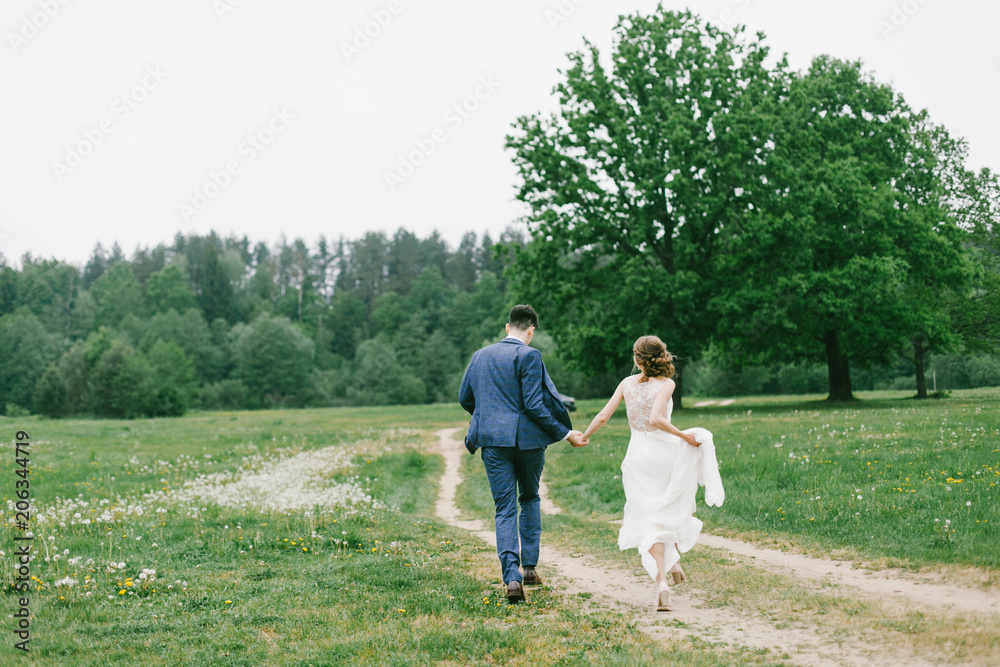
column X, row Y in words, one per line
column 131, row 568
column 307, row 537
column 889, row 480
column 900, row 439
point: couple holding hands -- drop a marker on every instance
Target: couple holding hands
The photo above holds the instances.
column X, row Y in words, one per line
column 516, row 413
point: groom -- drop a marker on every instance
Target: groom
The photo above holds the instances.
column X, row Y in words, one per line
column 516, row 414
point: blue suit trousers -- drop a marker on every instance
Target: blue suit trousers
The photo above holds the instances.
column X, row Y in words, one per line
column 514, row 474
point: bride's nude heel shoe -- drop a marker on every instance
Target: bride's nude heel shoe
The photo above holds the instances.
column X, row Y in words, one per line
column 678, row 576
column 663, row 600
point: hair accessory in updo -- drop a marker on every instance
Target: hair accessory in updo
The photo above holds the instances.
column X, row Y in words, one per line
column 653, row 357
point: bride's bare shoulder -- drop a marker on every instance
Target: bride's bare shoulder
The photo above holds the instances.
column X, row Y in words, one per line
column 669, row 383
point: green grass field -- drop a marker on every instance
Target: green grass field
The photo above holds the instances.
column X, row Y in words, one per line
column 354, row 583
column 335, row 557
column 876, row 481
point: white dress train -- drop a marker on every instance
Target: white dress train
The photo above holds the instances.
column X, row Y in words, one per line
column 660, row 474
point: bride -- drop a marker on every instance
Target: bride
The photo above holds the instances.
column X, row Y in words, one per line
column 660, row 472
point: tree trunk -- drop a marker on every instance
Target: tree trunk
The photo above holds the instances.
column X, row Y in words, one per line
column 838, row 370
column 918, row 364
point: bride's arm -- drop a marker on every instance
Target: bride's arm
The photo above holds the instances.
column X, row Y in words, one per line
column 604, row 415
column 658, row 419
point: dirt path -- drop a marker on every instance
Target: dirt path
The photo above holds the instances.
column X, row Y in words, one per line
column 625, row 591
column 871, row 584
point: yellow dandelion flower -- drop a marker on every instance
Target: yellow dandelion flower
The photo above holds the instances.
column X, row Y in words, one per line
column 121, row 592
column 229, row 601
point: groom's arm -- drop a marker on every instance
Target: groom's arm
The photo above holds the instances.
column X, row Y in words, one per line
column 465, row 396
column 532, row 376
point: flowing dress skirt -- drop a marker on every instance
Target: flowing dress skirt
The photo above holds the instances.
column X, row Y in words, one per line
column 660, row 476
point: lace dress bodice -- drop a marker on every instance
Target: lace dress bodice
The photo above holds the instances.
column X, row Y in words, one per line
column 639, row 397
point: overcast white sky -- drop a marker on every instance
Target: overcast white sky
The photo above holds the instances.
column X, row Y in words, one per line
column 199, row 77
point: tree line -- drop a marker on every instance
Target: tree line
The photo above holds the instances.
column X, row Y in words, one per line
column 221, row 323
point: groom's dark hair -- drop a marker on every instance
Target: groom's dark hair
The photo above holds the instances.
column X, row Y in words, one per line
column 522, row 317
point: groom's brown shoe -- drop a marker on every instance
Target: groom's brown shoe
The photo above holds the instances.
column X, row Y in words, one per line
column 515, row 592
column 531, row 577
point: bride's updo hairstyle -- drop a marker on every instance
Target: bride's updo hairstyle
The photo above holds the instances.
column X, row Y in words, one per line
column 654, row 360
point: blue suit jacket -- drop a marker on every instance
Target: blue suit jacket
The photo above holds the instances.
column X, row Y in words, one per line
column 512, row 399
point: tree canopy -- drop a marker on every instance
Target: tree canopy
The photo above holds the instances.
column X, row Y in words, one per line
column 694, row 189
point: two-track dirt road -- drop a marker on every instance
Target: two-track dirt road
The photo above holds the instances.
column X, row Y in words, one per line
column 804, row 644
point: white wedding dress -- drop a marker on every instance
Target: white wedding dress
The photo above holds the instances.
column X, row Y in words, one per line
column 660, row 474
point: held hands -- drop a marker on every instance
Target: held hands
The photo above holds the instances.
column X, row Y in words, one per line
column 576, row 439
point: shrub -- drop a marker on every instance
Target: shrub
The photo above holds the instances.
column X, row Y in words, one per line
column 122, row 383
column 904, row 383
column 983, row 371
column 329, row 387
column 26, row 350
column 174, row 377
column 15, row 410
column 273, row 359
column 51, row 394
column 376, row 373
column 950, row 370
column 409, row 390
column 224, row 395
column 169, row 402
column 802, row 379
